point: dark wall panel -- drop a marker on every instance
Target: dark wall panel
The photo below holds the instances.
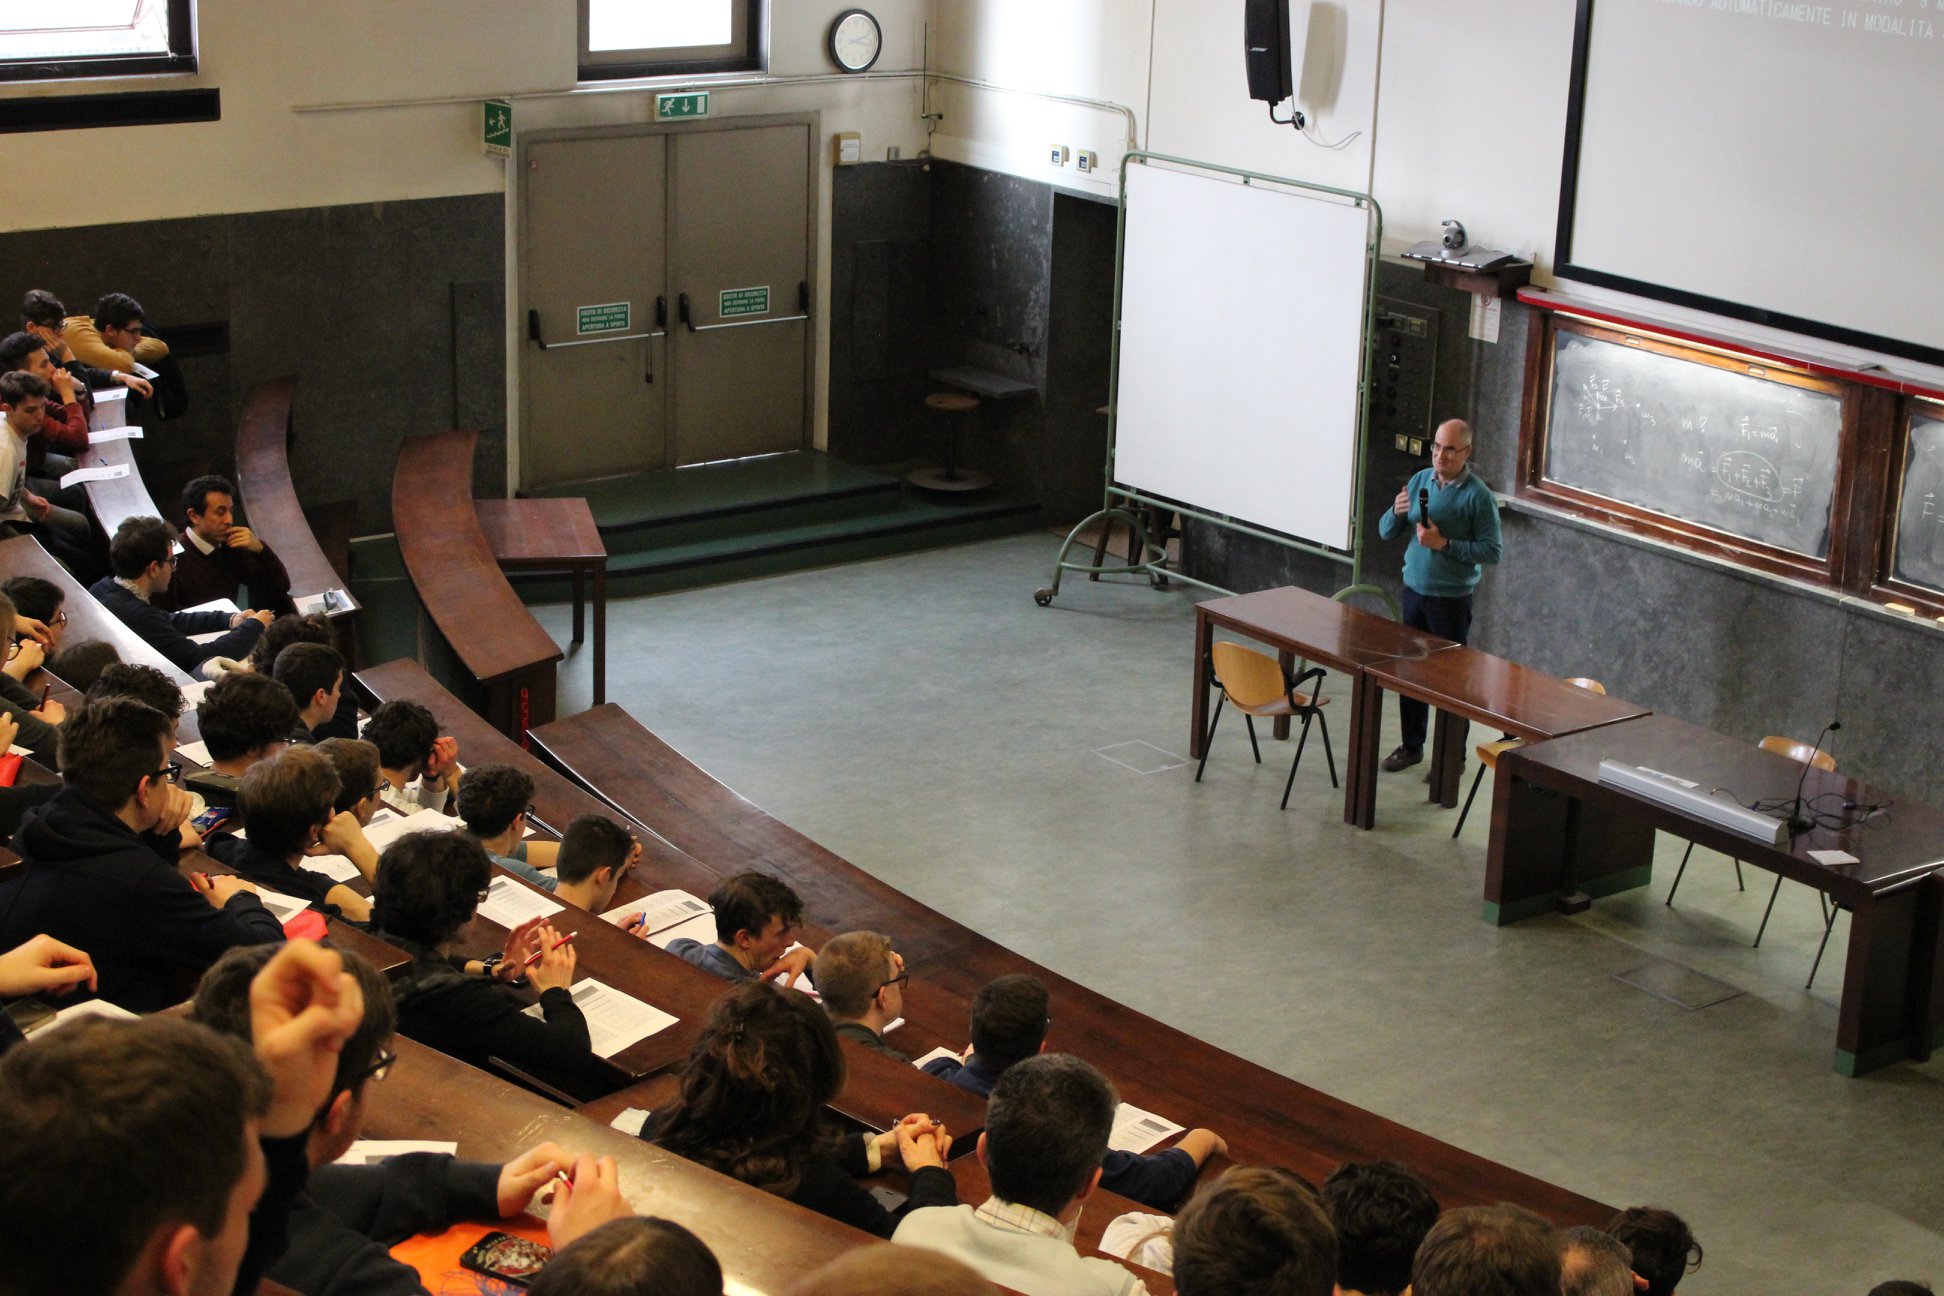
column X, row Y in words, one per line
column 880, row 224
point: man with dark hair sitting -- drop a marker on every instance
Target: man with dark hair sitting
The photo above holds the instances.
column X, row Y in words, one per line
column 493, row 801
column 113, row 338
column 220, row 556
column 244, row 718
column 1499, row 1249
column 314, row 674
column 156, row 1156
column 1663, row 1247
column 347, row 1216
column 64, row 425
column 143, row 556
column 861, row 980
column 1255, row 1232
column 1382, row 1212
column 66, row 533
column 420, row 764
column 1009, row 1022
column 595, row 854
column 318, row 629
column 1046, row 1130
column 143, row 683
column 100, row 864
column 42, row 314
column 288, row 807
column 756, row 918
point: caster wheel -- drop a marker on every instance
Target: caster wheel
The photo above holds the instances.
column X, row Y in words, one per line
column 1043, row 597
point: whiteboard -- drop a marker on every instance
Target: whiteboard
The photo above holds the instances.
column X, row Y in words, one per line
column 1241, row 349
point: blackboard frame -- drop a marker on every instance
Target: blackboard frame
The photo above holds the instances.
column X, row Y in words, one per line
column 1923, row 597
column 1535, row 428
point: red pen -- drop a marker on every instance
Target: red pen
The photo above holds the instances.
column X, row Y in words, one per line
column 537, row 955
column 45, row 690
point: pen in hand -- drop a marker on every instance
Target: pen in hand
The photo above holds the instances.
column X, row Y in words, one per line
column 537, row 955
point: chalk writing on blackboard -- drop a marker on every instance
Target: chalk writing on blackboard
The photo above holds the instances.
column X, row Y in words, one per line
column 1920, row 513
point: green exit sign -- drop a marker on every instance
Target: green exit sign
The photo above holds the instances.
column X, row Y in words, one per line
column 695, row 103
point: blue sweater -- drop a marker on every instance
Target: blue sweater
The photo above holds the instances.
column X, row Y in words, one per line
column 1467, row 516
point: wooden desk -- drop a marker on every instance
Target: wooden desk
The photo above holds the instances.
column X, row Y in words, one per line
column 1267, row 1119
column 87, row 619
column 124, row 497
column 461, row 588
column 1298, row 623
column 1890, row 1007
column 1474, row 685
column 762, row 1242
column 554, row 535
column 269, row 496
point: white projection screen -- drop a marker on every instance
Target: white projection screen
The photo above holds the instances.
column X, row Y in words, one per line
column 1241, row 350
column 1773, row 160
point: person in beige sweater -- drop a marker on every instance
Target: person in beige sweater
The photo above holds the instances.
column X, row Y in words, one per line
column 112, row 338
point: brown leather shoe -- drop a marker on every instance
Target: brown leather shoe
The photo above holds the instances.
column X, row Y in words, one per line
column 1402, row 759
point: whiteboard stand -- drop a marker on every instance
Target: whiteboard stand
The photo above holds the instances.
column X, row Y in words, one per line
column 1243, row 308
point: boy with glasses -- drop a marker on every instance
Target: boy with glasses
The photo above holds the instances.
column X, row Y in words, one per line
column 143, row 556
column 862, row 980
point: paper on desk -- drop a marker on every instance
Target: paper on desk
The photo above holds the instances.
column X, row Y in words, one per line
column 338, row 868
column 800, row 982
column 509, row 904
column 376, row 1151
column 388, row 826
column 196, row 753
column 208, row 636
column 103, row 437
column 216, row 605
column 665, row 910
column 630, row 1121
column 284, row 906
column 18, row 750
column 330, row 600
column 143, row 371
column 1833, row 857
column 1137, row 1131
column 86, row 1008
column 193, row 694
column 614, row 1020
column 108, row 473
column 109, row 395
column 935, row 1055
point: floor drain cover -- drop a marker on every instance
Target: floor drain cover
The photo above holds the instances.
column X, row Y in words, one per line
column 1141, row 757
column 1679, row 985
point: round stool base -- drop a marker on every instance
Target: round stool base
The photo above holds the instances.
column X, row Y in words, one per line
column 935, row 479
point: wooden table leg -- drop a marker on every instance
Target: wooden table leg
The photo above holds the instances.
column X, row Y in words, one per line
column 1884, row 1010
column 1448, row 736
column 1198, row 697
column 600, row 633
column 580, row 605
column 1366, row 729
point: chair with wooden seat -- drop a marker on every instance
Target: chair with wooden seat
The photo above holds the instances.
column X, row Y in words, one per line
column 1256, row 684
column 1808, row 754
column 1488, row 753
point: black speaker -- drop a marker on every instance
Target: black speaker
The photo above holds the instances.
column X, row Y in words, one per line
column 1265, row 46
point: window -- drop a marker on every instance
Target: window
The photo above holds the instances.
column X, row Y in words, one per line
column 642, row 38
column 96, row 38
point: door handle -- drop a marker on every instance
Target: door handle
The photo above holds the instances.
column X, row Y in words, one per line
column 661, row 312
column 749, row 323
column 803, row 296
column 682, row 311
column 533, row 329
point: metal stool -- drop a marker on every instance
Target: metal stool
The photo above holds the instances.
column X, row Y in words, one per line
column 959, row 408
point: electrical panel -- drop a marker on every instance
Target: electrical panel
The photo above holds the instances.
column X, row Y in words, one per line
column 1403, row 371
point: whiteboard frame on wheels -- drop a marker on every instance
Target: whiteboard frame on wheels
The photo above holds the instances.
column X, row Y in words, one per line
column 1242, row 348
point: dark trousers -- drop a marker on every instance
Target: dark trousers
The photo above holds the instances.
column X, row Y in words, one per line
column 1441, row 615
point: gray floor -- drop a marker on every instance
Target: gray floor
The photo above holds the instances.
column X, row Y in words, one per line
column 921, row 717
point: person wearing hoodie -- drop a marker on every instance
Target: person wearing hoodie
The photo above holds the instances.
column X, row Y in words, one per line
column 99, row 865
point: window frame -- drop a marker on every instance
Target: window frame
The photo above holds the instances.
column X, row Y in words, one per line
column 1928, row 600
column 180, row 59
column 634, row 64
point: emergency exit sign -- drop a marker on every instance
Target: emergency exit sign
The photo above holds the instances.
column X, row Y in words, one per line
column 694, row 103
column 743, row 301
column 609, row 317
column 496, row 127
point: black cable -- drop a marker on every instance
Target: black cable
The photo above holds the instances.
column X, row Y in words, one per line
column 1295, row 117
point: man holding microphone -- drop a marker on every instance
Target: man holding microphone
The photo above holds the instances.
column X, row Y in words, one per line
column 1456, row 533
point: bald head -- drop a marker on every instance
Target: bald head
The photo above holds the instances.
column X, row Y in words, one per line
column 1451, row 449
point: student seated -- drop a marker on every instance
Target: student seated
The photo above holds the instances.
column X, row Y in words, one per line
column 40, row 965
column 113, row 338
column 429, row 884
column 157, row 1156
column 42, row 314
column 64, row 426
column 244, row 718
column 314, row 674
column 143, row 683
column 220, row 557
column 361, row 789
column 100, row 865
column 80, row 664
column 1663, row 1247
column 596, row 853
column 637, row 1256
column 65, row 533
column 894, row 1271
column 21, row 799
column 1046, row 1130
column 288, row 807
column 756, row 920
column 37, row 717
column 1255, row 1232
column 1009, row 1021
column 142, row 554
column 342, row 1223
column 752, row 1106
column 861, row 980
column 419, row 763
column 318, row 629
column 1382, row 1212
column 38, row 610
column 1499, row 1249
column 492, row 803
column 1592, row 1263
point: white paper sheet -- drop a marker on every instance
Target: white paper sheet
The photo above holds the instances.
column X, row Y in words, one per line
column 509, row 904
column 630, row 1121
column 196, row 753
column 933, row 1056
column 208, row 636
column 143, row 371
column 1137, row 1131
column 387, row 826
column 18, row 750
column 79, row 475
column 374, row 1151
column 614, row 1020
column 1833, row 857
column 103, row 437
column 110, row 395
column 665, row 910
column 338, row 868
column 86, row 1008
column 284, row 906
column 216, row 605
column 193, row 694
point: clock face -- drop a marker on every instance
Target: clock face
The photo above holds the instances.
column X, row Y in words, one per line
column 855, row 40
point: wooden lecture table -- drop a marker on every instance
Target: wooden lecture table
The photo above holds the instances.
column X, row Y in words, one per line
column 1556, row 827
column 269, row 501
column 555, row 535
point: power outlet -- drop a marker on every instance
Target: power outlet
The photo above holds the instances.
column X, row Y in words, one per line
column 1059, row 154
column 1086, row 161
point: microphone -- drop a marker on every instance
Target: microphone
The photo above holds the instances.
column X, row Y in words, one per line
column 1424, row 506
column 1799, row 822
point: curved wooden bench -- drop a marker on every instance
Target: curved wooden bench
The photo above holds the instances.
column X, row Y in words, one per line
column 269, row 501
column 506, row 660
column 87, row 619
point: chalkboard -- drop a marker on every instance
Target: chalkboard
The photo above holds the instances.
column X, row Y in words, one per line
column 1732, row 451
column 1920, row 520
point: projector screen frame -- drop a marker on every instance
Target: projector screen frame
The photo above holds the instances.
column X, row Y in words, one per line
column 1566, row 268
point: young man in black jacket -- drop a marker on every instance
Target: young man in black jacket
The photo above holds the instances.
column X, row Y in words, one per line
column 143, row 557
column 342, row 1224
column 100, row 865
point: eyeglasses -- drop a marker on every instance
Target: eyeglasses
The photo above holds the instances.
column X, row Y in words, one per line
column 901, row 980
column 380, row 1067
column 1437, row 449
column 58, row 619
column 168, row 773
column 382, row 788
column 485, row 894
